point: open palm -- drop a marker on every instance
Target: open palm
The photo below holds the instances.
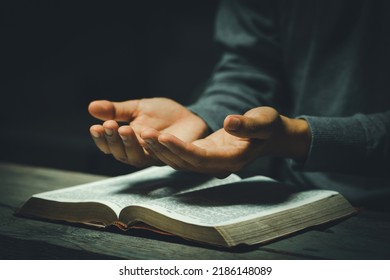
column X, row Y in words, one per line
column 218, row 154
column 124, row 142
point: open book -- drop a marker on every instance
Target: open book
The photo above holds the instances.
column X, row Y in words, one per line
column 223, row 212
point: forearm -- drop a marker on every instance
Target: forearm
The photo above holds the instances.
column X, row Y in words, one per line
column 359, row 144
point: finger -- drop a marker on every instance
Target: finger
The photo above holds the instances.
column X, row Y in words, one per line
column 113, row 140
column 97, row 133
column 195, row 158
column 150, row 136
column 248, row 127
column 136, row 154
column 188, row 155
column 192, row 158
column 161, row 153
column 118, row 111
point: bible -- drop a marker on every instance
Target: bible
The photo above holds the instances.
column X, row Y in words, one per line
column 223, row 212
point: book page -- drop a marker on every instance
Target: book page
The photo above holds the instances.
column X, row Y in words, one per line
column 135, row 188
column 235, row 202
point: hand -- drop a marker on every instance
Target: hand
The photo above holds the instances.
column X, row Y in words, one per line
column 219, row 154
column 124, row 142
column 261, row 131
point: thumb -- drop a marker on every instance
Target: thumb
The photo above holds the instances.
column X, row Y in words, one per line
column 118, row 111
column 247, row 127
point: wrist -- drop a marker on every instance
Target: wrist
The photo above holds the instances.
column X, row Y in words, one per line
column 198, row 125
column 298, row 136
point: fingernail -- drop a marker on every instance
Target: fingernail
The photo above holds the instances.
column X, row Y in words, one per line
column 234, row 124
column 150, row 145
column 108, row 131
column 124, row 138
column 149, row 142
column 95, row 134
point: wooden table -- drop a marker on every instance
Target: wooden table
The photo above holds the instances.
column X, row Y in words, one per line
column 365, row 236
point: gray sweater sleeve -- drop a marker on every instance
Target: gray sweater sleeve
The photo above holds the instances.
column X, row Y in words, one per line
column 248, row 72
column 251, row 73
column 359, row 144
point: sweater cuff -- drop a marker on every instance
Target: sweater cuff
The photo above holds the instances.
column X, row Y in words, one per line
column 337, row 144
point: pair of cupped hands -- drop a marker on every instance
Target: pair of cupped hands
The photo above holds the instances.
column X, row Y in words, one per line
column 158, row 131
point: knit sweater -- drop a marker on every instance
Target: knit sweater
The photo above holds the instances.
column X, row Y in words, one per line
column 324, row 61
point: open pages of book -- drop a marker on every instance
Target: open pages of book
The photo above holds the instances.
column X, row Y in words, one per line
column 190, row 197
column 234, row 202
column 136, row 188
column 226, row 212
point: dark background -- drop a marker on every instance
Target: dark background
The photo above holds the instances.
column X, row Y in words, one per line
column 56, row 58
